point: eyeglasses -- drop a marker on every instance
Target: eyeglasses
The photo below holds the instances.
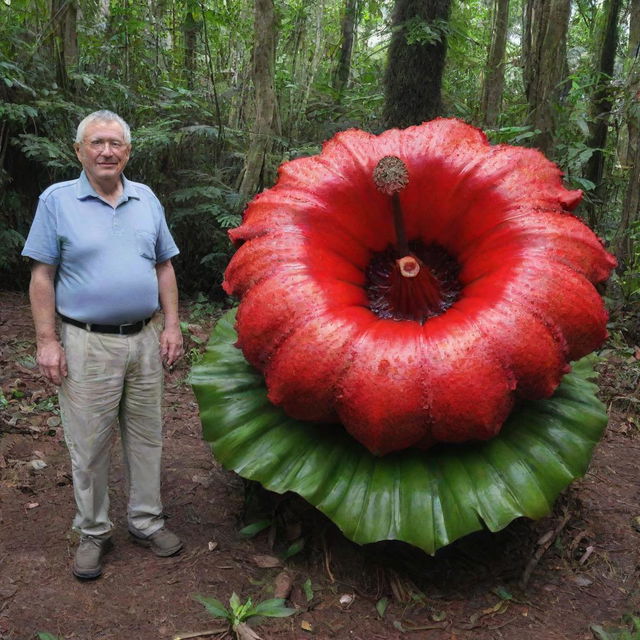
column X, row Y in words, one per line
column 101, row 145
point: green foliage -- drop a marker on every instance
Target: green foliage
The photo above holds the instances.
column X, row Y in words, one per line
column 420, row 31
column 294, row 549
column 11, row 242
column 630, row 278
column 629, row 631
column 52, row 154
column 512, row 135
column 238, row 613
column 381, row 606
column 202, row 309
column 307, row 587
column 255, row 528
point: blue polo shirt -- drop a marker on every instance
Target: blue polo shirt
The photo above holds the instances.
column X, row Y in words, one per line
column 106, row 256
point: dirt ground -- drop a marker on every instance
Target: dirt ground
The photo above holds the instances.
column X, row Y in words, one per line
column 583, row 560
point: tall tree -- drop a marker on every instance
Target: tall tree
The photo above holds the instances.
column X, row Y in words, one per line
column 631, row 206
column 64, row 15
column 341, row 74
column 544, row 46
column 493, row 84
column 261, row 139
column 413, row 78
column 633, row 83
column 190, row 28
column 313, row 66
column 602, row 103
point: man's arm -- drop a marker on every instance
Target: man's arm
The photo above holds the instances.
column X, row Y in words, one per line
column 50, row 354
column 171, row 336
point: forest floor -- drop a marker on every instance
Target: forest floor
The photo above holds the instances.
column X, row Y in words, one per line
column 583, row 559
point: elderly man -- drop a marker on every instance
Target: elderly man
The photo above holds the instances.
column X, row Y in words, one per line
column 102, row 253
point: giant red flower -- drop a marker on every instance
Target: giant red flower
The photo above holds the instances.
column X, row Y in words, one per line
column 419, row 307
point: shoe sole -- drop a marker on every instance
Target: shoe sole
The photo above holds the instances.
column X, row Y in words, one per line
column 86, row 575
column 162, row 553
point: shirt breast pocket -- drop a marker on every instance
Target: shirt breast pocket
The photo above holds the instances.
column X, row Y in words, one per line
column 146, row 245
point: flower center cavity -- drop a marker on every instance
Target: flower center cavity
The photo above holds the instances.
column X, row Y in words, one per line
column 395, row 294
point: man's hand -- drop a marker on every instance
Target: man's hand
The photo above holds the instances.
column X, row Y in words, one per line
column 171, row 345
column 52, row 361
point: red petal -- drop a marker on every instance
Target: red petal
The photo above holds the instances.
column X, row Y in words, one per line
column 289, row 251
column 471, row 388
column 561, row 298
column 382, row 399
column 283, row 303
column 540, row 237
column 537, row 362
column 302, row 374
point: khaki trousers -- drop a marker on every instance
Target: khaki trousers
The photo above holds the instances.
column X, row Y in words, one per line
column 113, row 380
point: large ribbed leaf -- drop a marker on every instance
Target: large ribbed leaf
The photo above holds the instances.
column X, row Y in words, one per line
column 427, row 499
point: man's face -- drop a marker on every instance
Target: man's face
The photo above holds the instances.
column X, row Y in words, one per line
column 103, row 152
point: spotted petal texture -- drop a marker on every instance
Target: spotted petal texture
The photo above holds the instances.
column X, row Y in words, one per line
column 527, row 304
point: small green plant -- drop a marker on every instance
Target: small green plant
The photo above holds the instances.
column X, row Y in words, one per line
column 630, row 630
column 193, row 356
column 202, row 309
column 49, row 404
column 237, row 614
column 43, row 635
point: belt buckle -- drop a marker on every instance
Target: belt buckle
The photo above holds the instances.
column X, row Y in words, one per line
column 121, row 327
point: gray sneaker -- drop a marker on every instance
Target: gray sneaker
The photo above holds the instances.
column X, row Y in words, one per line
column 88, row 561
column 162, row 542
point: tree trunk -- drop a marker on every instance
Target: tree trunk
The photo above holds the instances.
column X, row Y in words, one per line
column 313, row 70
column 633, row 91
column 190, row 28
column 624, row 246
column 601, row 105
column 494, row 78
column 341, row 74
column 265, row 97
column 413, row 77
column 630, row 214
column 544, row 64
column 65, row 38
column 212, row 77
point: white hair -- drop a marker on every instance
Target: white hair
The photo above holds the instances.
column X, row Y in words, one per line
column 103, row 116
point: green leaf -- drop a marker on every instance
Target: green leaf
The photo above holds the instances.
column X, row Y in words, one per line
column 214, row 607
column 234, row 602
column 273, row 608
column 381, row 606
column 307, row 587
column 503, row 593
column 428, row 499
column 599, row 632
column 255, row 528
column 294, row 549
column 43, row 635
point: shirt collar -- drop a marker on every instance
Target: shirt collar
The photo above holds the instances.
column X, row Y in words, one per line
column 85, row 190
